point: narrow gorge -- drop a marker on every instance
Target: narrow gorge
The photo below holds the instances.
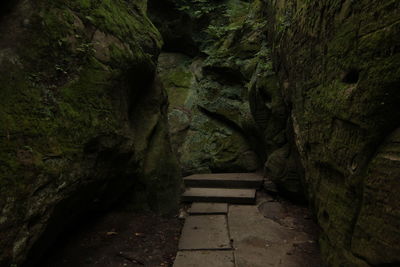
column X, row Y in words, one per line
column 106, row 105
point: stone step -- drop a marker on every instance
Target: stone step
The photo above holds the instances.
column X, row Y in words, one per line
column 205, row 232
column 232, row 196
column 204, row 258
column 199, row 208
column 224, row 180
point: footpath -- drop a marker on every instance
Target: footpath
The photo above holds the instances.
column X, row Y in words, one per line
column 230, row 224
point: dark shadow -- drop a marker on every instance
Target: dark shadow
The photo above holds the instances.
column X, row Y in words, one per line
column 351, row 77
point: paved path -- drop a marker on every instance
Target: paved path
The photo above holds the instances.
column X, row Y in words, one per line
column 270, row 232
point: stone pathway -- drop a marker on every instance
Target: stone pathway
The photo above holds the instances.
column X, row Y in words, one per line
column 268, row 233
column 235, row 188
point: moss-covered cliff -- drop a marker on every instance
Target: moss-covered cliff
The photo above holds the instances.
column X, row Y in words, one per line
column 203, row 73
column 339, row 68
column 227, row 111
column 82, row 120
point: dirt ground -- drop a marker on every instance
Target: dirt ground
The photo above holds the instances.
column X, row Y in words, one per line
column 298, row 218
column 136, row 239
column 119, row 239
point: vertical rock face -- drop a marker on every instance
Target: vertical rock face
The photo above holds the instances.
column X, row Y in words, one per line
column 338, row 64
column 227, row 111
column 204, row 72
column 83, row 119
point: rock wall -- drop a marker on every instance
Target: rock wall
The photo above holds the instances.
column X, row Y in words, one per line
column 83, row 119
column 321, row 79
column 338, row 64
column 210, row 119
column 227, row 112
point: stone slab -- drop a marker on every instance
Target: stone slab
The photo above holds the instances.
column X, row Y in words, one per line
column 204, row 258
column 235, row 196
column 205, row 232
column 225, row 180
column 260, row 242
column 208, row 208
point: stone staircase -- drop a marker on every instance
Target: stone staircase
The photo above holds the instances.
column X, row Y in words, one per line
column 205, row 239
column 233, row 188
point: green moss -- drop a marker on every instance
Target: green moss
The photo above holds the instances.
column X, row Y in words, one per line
column 339, row 120
column 58, row 101
column 177, row 80
column 82, row 109
column 161, row 174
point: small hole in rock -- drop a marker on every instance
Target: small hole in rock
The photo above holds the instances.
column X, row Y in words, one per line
column 351, row 76
column 325, row 215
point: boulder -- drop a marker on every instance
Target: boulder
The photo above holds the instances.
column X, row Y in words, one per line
column 83, row 118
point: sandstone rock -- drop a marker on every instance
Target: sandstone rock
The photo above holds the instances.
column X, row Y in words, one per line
column 338, row 68
column 200, row 115
column 327, row 105
column 82, row 119
column 209, row 89
column 282, row 168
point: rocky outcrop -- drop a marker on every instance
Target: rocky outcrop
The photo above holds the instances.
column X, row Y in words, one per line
column 205, row 124
column 210, row 119
column 227, row 111
column 83, row 120
column 338, row 64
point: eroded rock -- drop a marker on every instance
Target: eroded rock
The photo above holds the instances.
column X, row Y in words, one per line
column 338, row 67
column 83, row 119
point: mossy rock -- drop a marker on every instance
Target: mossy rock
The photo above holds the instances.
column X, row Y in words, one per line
column 78, row 77
column 339, row 73
column 210, row 89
